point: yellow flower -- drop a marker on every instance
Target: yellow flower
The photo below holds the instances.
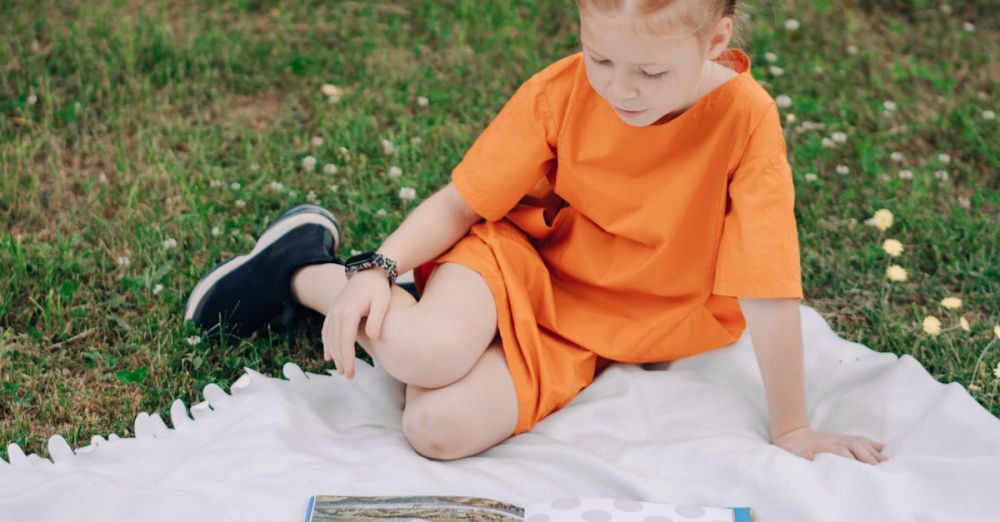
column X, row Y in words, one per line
column 996, row 331
column 964, row 323
column 892, row 247
column 883, row 219
column 932, row 325
column 896, row 273
column 951, row 302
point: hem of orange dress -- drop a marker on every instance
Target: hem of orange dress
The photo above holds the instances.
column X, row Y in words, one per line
column 525, row 413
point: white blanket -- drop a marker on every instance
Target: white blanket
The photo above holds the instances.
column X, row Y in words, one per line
column 696, row 433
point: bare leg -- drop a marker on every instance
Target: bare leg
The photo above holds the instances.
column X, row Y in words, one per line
column 432, row 342
column 467, row 417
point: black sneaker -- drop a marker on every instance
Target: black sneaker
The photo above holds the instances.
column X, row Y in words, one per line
column 248, row 291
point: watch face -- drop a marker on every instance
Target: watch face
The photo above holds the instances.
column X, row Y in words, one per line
column 365, row 257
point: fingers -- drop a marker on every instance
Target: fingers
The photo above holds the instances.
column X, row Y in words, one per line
column 373, row 325
column 348, row 334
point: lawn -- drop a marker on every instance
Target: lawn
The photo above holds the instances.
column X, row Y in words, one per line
column 141, row 143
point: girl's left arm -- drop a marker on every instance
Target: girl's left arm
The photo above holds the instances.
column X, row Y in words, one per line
column 776, row 333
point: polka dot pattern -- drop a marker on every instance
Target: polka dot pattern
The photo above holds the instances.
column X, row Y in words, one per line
column 598, row 509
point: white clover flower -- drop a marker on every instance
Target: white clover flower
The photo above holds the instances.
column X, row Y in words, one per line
column 240, row 203
column 169, row 243
column 381, row 212
column 892, row 247
column 123, row 261
column 331, row 90
column 964, row 202
column 416, row 141
column 214, row 183
column 355, row 252
column 852, row 50
column 839, row 137
column 883, row 218
column 395, row 172
column 775, row 70
column 969, row 27
column 896, row 156
column 941, row 175
column 783, row 101
column 905, row 174
column 932, row 325
column 309, row 163
column 889, row 106
column 818, row 69
column 334, row 188
column 422, row 101
column 828, row 143
column 951, row 302
column 895, row 273
column 254, row 167
column 388, row 147
column 293, row 194
column 963, row 323
column 945, row 8
column 988, row 115
column 235, row 185
column 311, row 197
column 277, row 186
column 330, row 168
column 316, row 141
column 944, row 158
column 790, row 118
column 996, row 332
column 843, row 170
column 344, row 151
column 811, row 176
column 157, row 289
column 193, row 340
column 216, row 231
column 771, row 57
column 791, row 24
column 407, row 193
column 102, row 177
column 32, row 99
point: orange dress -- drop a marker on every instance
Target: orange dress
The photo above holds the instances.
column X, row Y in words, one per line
column 606, row 242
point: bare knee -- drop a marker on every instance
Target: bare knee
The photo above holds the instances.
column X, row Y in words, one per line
column 434, row 433
column 429, row 347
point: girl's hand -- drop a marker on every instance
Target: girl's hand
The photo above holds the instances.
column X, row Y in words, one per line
column 365, row 294
column 805, row 442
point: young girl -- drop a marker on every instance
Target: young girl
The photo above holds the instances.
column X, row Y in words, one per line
column 631, row 202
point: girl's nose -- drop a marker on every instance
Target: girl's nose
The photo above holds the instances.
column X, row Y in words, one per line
column 620, row 89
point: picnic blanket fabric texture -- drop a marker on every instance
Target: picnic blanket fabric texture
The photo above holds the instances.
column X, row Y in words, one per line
column 692, row 431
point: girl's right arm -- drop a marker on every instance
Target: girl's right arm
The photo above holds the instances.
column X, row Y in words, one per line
column 430, row 229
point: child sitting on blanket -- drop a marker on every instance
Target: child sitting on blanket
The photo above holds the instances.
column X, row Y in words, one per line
column 631, row 202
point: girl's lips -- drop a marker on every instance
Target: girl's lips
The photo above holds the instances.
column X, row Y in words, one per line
column 627, row 113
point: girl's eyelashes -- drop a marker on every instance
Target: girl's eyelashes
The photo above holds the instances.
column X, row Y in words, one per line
column 644, row 73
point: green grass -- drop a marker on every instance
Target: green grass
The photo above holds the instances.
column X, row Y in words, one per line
column 164, row 99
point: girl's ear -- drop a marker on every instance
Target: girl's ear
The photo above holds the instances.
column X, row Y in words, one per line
column 718, row 39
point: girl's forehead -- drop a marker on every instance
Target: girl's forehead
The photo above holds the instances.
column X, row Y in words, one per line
column 619, row 39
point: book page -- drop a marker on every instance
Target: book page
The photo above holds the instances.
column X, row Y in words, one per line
column 601, row 509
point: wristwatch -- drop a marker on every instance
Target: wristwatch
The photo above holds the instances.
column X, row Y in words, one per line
column 366, row 260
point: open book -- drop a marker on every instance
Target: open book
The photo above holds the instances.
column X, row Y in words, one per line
column 324, row 508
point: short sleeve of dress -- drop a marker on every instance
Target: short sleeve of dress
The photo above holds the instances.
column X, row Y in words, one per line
column 759, row 249
column 511, row 155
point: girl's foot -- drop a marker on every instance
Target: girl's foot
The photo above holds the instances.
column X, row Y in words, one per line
column 244, row 293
